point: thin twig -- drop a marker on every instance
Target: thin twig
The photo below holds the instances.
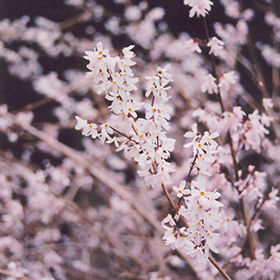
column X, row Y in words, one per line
column 223, row 273
column 83, row 16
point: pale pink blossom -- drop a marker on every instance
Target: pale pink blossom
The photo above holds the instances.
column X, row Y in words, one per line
column 181, row 189
column 267, row 103
column 215, row 45
column 132, row 13
column 192, row 46
column 273, row 199
column 226, row 80
column 209, row 84
column 199, row 7
column 87, row 127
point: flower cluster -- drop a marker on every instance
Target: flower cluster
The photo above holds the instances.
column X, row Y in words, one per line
column 200, row 7
column 204, row 148
column 226, row 80
column 263, row 267
column 144, row 139
column 201, row 215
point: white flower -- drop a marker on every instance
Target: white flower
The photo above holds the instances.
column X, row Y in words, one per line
column 157, row 84
column 88, row 128
column 192, row 46
column 97, row 54
column 209, row 84
column 273, row 199
column 152, row 85
column 159, row 114
column 181, row 190
column 215, row 45
column 226, row 79
column 168, row 219
column 199, row 7
column 132, row 13
column 209, row 242
column 175, row 236
column 193, row 134
column 130, row 107
column 267, row 103
column 128, row 55
column 208, row 139
column 105, row 131
column 162, row 72
column 24, row 118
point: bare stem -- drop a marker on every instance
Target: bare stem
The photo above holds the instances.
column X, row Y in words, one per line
column 74, row 20
column 168, row 196
column 45, row 100
column 249, row 232
column 233, row 155
column 134, row 129
column 121, row 133
column 189, row 174
column 34, row 105
column 220, row 269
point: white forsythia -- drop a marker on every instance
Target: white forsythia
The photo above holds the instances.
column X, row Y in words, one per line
column 145, row 140
column 201, row 210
